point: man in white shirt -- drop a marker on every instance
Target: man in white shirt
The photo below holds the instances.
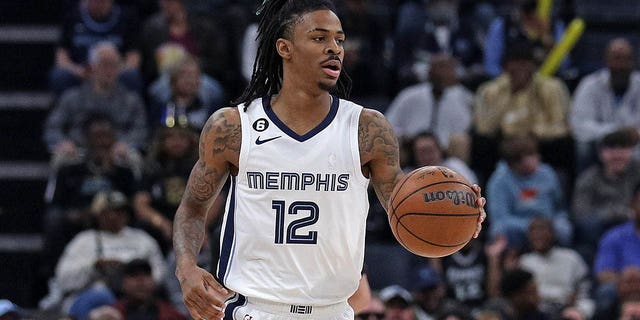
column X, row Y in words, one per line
column 605, row 101
column 441, row 105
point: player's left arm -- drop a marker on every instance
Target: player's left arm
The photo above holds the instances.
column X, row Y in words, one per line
column 380, row 157
column 379, row 153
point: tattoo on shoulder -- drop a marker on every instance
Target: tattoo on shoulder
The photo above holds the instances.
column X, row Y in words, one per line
column 376, row 136
column 221, row 133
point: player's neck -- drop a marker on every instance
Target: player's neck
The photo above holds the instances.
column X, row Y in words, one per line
column 300, row 110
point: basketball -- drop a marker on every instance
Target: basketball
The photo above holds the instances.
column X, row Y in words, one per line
column 433, row 211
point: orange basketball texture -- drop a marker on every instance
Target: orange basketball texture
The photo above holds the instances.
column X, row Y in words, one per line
column 433, row 211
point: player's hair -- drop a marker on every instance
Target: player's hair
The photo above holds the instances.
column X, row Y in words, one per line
column 277, row 20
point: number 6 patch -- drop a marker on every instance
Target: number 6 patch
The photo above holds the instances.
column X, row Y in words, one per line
column 261, row 125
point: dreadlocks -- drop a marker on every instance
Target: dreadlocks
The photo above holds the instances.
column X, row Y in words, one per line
column 277, row 20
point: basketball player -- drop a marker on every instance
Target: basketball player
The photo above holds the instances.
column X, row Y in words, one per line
column 300, row 160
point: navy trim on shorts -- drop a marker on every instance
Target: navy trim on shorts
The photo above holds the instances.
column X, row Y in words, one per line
column 236, row 302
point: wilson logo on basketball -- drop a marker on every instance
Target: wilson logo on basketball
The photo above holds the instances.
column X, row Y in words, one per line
column 456, row 196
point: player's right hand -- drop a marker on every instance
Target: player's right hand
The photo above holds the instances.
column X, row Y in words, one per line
column 202, row 294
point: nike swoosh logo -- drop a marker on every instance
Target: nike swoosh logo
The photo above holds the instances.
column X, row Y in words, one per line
column 259, row 142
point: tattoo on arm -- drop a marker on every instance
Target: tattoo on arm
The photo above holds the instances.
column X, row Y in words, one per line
column 378, row 144
column 220, row 137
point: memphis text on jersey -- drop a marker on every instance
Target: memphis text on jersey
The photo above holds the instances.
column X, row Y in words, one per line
column 298, row 181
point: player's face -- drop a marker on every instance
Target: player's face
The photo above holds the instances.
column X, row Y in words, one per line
column 317, row 48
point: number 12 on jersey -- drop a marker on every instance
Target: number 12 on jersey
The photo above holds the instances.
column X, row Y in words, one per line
column 291, row 235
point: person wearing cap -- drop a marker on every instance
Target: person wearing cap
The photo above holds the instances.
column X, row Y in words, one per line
column 520, row 101
column 93, row 258
column 430, row 292
column 374, row 310
column 398, row 303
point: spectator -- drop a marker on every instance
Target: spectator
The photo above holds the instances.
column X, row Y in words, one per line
column 625, row 298
column 74, row 186
column 398, row 304
column 173, row 28
column 561, row 275
column 454, row 314
column 10, row 311
column 630, row 310
column 522, row 25
column 105, row 313
column 94, row 258
column 140, row 298
column 427, row 152
column 100, row 94
column 426, row 28
column 209, row 90
column 606, row 101
column 170, row 160
column 440, row 105
column 520, row 102
column 522, row 188
column 364, row 51
column 373, row 311
column 184, row 100
column 603, row 192
column 92, row 22
column 465, row 273
column 500, row 258
column 618, row 249
column 89, row 300
column 628, row 302
column 430, row 292
column 519, row 289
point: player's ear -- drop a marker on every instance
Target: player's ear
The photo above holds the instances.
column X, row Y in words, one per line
column 283, row 46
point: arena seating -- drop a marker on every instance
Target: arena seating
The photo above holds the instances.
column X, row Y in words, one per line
column 27, row 39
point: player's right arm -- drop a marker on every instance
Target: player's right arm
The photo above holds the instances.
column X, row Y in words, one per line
column 218, row 157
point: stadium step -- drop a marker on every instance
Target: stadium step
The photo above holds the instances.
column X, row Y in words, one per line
column 25, row 64
column 29, row 31
column 22, row 115
column 32, row 11
column 23, row 191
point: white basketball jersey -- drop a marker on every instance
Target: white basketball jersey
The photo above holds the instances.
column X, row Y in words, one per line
column 294, row 227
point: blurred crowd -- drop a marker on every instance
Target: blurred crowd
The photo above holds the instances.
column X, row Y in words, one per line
column 556, row 155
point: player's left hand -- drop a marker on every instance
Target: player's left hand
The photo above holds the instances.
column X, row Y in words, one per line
column 480, row 201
